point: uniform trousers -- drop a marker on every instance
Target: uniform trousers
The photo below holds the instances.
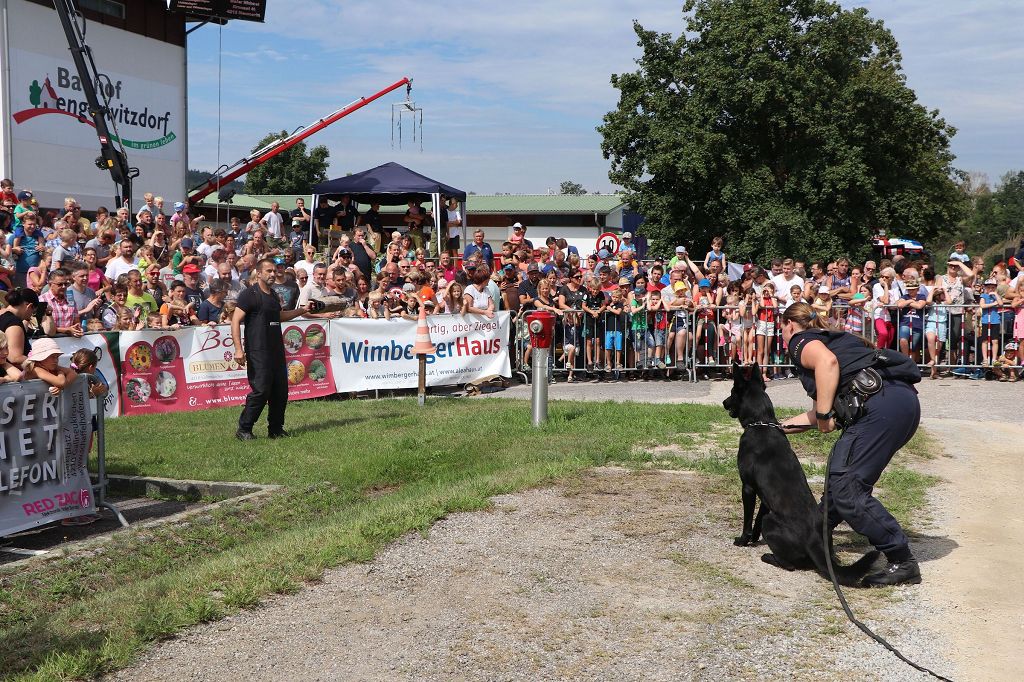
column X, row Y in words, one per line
column 859, row 457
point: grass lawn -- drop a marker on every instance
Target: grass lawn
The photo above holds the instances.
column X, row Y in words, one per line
column 358, row 474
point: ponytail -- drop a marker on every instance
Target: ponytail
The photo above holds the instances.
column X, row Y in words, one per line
column 805, row 316
column 16, row 297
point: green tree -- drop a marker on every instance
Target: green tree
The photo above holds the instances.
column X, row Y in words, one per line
column 290, row 172
column 996, row 217
column 570, row 187
column 784, row 125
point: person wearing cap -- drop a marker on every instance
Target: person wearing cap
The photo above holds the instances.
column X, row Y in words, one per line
column 193, row 290
column 705, row 336
column 909, row 310
column 1008, row 366
column 991, row 322
column 43, row 364
column 821, row 301
column 24, row 206
column 626, row 244
column 528, row 287
column 680, row 257
column 263, row 356
column 518, row 236
column 184, row 254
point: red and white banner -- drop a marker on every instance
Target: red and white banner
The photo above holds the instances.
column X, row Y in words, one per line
column 195, row 369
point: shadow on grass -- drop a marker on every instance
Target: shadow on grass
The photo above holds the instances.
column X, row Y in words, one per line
column 327, row 425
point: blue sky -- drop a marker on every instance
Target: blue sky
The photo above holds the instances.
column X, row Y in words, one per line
column 512, row 92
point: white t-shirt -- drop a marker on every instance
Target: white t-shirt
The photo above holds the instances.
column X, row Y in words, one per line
column 206, row 250
column 274, row 222
column 481, row 298
column 877, row 292
column 117, row 267
column 782, row 287
column 306, row 265
column 454, row 230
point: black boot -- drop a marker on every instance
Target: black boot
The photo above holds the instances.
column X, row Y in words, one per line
column 278, row 434
column 895, row 573
column 244, row 435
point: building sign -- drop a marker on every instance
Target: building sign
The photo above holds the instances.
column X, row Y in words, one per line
column 52, row 138
column 53, row 106
column 246, row 10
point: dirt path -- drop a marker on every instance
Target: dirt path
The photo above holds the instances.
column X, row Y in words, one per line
column 978, row 587
column 619, row 575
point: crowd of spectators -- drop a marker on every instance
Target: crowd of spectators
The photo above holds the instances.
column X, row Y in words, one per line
column 64, row 274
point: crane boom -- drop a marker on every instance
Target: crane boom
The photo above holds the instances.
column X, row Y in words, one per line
column 112, row 159
column 244, row 165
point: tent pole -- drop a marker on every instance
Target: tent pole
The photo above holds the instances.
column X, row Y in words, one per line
column 435, row 198
column 312, row 218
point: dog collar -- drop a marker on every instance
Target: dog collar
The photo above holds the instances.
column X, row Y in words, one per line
column 774, row 425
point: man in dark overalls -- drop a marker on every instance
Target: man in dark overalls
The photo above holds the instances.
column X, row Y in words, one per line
column 260, row 309
column 826, row 360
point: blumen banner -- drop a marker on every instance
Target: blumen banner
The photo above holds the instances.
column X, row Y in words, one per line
column 377, row 354
column 44, row 449
column 194, row 368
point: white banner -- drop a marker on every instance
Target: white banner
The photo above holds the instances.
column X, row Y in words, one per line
column 105, row 371
column 377, row 354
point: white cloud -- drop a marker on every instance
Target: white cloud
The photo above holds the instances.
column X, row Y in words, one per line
column 512, row 92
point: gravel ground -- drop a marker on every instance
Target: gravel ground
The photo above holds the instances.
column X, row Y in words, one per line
column 943, row 398
column 618, row 576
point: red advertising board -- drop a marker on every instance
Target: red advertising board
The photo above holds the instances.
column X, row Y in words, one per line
column 195, row 369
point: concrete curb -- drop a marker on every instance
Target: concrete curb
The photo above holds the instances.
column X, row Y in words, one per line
column 145, row 486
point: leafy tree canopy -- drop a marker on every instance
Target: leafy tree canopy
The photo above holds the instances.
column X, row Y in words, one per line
column 570, row 187
column 784, row 125
column 290, row 172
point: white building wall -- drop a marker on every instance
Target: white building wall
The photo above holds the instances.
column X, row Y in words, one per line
column 50, row 149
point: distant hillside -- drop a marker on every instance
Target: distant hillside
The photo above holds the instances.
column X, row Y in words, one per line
column 196, row 177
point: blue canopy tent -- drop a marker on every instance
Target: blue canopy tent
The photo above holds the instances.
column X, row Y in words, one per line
column 392, row 184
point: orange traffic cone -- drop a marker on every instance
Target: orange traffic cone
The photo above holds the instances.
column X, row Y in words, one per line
column 423, row 343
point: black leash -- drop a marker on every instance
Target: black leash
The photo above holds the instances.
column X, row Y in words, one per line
column 826, row 535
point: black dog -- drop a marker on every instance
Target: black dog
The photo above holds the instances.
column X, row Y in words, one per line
column 788, row 517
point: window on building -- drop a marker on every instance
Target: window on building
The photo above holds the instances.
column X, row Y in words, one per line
column 108, row 7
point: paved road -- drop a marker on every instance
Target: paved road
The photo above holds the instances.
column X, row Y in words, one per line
column 940, row 399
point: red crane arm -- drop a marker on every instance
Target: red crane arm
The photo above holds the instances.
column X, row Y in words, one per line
column 279, row 145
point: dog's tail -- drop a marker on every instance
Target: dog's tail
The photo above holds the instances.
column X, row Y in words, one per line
column 848, row 576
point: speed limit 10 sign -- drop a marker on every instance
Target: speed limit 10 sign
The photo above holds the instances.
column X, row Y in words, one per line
column 608, row 241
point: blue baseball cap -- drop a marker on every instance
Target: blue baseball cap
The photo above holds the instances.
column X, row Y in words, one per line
column 704, row 283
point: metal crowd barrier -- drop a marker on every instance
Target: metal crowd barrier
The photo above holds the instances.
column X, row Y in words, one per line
column 701, row 345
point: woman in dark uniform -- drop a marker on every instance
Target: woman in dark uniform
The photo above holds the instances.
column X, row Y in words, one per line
column 826, row 361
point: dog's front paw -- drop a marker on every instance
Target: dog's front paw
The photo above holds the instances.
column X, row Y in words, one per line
column 742, row 541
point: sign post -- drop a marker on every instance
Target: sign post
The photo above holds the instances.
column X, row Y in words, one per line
column 608, row 241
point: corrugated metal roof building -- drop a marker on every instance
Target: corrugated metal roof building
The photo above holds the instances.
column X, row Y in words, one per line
column 577, row 218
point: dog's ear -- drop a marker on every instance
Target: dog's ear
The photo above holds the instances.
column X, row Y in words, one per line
column 755, row 375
